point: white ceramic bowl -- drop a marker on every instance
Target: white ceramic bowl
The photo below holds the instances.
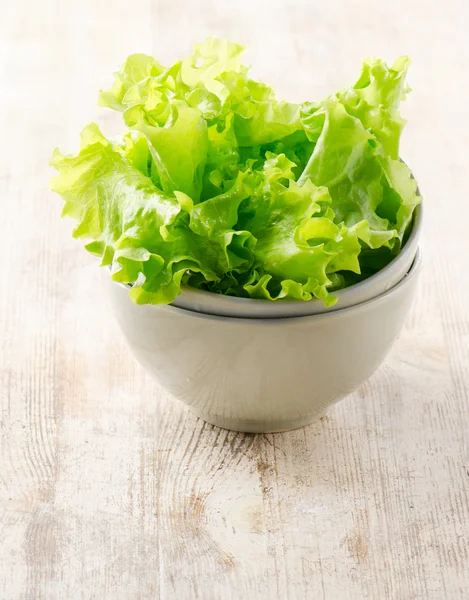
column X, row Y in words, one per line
column 229, row 306
column 263, row 375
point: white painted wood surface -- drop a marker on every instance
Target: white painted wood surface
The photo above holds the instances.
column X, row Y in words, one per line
column 109, row 489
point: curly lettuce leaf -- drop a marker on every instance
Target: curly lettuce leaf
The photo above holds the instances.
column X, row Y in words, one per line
column 297, row 239
column 142, row 233
column 259, row 118
column 356, row 135
column 136, row 68
column 208, row 61
column 375, row 99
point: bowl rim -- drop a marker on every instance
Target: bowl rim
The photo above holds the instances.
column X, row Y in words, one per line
column 318, row 317
column 194, row 295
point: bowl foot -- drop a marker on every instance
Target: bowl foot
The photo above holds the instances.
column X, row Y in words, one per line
column 254, row 426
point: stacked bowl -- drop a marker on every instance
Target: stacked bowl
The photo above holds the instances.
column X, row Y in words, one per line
column 261, row 366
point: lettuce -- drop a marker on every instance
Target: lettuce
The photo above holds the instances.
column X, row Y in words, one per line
column 218, row 185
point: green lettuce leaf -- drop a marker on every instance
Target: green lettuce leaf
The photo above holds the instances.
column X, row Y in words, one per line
column 142, row 233
column 136, row 68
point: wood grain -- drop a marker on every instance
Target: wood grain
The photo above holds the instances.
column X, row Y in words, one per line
column 110, row 489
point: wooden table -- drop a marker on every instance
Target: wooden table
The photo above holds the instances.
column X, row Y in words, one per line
column 109, row 489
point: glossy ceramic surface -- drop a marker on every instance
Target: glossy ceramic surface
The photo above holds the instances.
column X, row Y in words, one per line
column 263, row 375
column 385, row 279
